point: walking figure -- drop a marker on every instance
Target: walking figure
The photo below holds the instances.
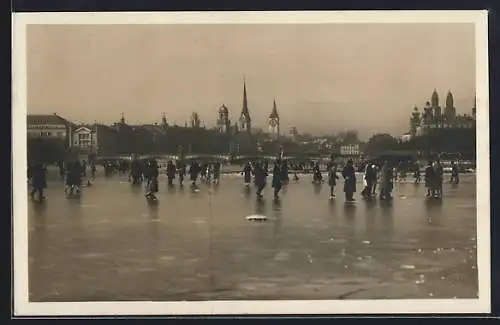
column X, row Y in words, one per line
column 194, row 170
column 217, row 167
column 171, row 171
column 370, row 179
column 439, row 178
column 277, row 181
column 152, row 179
column 332, row 179
column 38, row 181
column 247, row 174
column 454, row 173
column 387, row 184
column 317, row 177
column 349, row 175
column 260, row 179
column 430, row 180
column 181, row 171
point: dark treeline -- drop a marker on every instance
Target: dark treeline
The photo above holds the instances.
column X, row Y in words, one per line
column 175, row 140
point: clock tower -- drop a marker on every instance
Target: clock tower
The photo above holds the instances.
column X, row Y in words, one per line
column 274, row 123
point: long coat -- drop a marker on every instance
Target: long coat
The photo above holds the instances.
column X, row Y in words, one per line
column 349, row 175
column 277, row 177
column 38, row 176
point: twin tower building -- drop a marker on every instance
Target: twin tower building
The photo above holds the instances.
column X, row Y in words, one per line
column 244, row 123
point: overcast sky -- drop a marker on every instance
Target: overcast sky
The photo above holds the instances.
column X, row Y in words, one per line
column 325, row 78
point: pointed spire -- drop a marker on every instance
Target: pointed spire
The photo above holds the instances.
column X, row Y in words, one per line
column 122, row 119
column 274, row 112
column 449, row 99
column 244, row 111
column 435, row 98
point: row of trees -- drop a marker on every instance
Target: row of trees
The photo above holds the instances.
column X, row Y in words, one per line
column 438, row 140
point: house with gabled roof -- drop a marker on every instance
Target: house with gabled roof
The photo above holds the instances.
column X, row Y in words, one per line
column 50, row 126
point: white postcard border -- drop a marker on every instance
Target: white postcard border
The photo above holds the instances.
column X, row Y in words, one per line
column 22, row 306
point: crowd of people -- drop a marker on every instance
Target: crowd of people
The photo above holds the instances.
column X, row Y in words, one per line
column 147, row 172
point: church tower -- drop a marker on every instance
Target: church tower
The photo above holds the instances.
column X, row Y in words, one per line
column 274, row 123
column 245, row 120
column 164, row 123
column 435, row 105
column 223, row 122
column 449, row 109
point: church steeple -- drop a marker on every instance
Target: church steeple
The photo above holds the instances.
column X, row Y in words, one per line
column 435, row 99
column 274, row 122
column 164, row 123
column 245, row 120
column 122, row 119
column 274, row 112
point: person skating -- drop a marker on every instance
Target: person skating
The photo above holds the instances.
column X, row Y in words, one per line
column 181, row 170
column 332, row 179
column 247, row 174
column 260, row 179
column 349, row 175
column 152, row 179
column 430, row 180
column 171, row 171
column 387, row 184
column 194, row 171
column 317, row 177
column 277, row 178
column 38, row 181
column 439, row 178
column 454, row 173
column 217, row 168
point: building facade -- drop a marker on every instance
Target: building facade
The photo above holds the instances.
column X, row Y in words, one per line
column 350, row 149
column 49, row 126
column 433, row 118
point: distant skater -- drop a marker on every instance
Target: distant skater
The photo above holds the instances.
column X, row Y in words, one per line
column 152, row 179
column 260, row 179
column 38, row 181
column 171, row 171
column 217, row 168
column 430, row 180
column 454, row 173
column 349, row 175
column 277, row 178
column 317, row 177
column 181, row 171
column 387, row 179
column 332, row 179
column 247, row 174
column 194, row 171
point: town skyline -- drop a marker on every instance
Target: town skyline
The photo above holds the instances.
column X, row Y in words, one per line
column 330, row 83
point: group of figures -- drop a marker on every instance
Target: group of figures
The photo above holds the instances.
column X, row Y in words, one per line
column 149, row 170
column 72, row 172
column 257, row 172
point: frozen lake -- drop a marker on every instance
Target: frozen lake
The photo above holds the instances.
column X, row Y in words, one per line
column 112, row 245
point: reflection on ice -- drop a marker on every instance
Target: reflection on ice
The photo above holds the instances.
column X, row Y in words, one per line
column 311, row 247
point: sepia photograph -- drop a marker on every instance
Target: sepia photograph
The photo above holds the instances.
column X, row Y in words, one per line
column 251, row 163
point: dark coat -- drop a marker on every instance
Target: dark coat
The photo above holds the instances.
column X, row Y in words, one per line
column 349, row 174
column 277, row 181
column 38, row 175
column 247, row 172
column 260, row 176
column 194, row 170
column 430, row 177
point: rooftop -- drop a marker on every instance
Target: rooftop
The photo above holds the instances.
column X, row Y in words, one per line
column 46, row 119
